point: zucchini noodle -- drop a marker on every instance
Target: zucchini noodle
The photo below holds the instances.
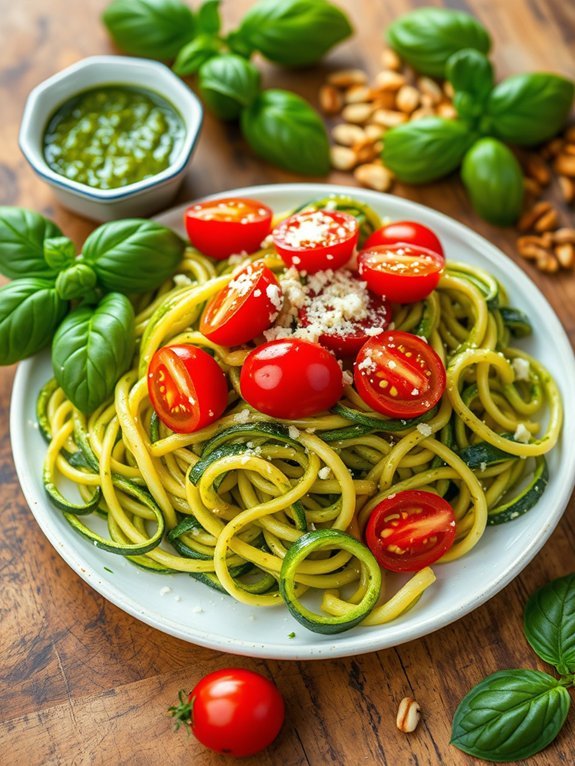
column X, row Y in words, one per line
column 235, row 504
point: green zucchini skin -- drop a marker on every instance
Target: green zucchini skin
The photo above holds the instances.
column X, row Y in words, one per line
column 518, row 323
column 263, row 429
column 483, row 453
column 525, row 500
column 298, row 551
column 386, row 425
column 42, row 408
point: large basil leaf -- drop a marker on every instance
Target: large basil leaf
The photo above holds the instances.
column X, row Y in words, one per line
column 92, row 349
column 510, row 715
column 153, row 28
column 195, row 53
column 426, row 149
column 209, row 21
column 292, row 32
column 30, row 312
column 284, row 129
column 470, row 71
column 550, row 623
column 228, row 83
column 22, row 237
column 529, row 108
column 494, row 181
column 427, row 37
column 133, row 255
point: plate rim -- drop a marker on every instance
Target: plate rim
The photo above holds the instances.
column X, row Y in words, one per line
column 342, row 644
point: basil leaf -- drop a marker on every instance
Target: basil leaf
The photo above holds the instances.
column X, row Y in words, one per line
column 426, row 149
column 292, row 32
column 22, row 237
column 196, row 53
column 92, row 348
column 209, row 21
column 470, row 71
column 427, row 37
column 59, row 252
column 510, row 715
column 153, row 28
column 494, row 181
column 529, row 108
column 133, row 255
column 284, row 129
column 228, row 83
column 30, row 312
column 76, row 282
column 550, row 623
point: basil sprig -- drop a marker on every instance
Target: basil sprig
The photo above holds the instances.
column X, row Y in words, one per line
column 513, row 714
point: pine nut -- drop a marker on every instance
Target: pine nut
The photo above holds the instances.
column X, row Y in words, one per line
column 384, row 100
column 357, row 113
column 389, row 81
column 408, row 715
column 345, row 78
column 343, row 158
column 374, row 176
column 547, row 222
column 549, row 264
column 330, row 100
column 357, row 94
column 374, row 132
column 552, row 148
column 567, row 186
column 390, row 60
column 563, row 235
column 388, row 118
column 565, row 165
column 533, row 248
column 532, row 187
column 407, row 99
column 527, row 220
column 348, row 134
column 423, row 111
column 449, row 90
column 447, row 111
column 565, row 254
column 430, row 88
column 536, row 168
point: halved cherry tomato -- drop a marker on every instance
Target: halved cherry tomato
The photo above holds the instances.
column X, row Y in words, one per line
column 408, row 232
column 398, row 374
column 187, row 388
column 245, row 308
column 290, row 378
column 410, row 530
column 316, row 240
column 223, row 227
column 403, row 273
column 233, row 711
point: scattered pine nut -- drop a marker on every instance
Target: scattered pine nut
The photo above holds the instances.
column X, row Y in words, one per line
column 565, row 165
column 537, row 168
column 357, row 113
column 345, row 78
column 357, row 94
column 348, row 134
column 547, row 222
column 330, row 100
column 430, row 88
column 374, row 176
column 565, row 255
column 527, row 220
column 373, row 132
column 388, row 118
column 423, row 111
column 390, row 60
column 408, row 715
column 343, row 158
column 389, row 81
column 549, row 264
column 567, row 186
column 407, row 99
column 447, row 111
column 531, row 186
column 563, row 235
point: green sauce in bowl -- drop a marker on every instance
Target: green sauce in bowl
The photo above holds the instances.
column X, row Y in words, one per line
column 112, row 136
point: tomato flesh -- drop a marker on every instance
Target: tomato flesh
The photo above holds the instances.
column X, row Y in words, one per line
column 406, row 232
column 398, row 374
column 246, row 307
column 290, row 378
column 410, row 530
column 227, row 226
column 187, row 387
column 316, row 240
column 403, row 273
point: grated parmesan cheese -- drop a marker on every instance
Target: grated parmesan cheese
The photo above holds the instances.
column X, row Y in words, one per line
column 522, row 434
column 242, row 417
column 182, row 280
column 424, row 429
column 325, row 472
column 521, row 368
column 293, row 432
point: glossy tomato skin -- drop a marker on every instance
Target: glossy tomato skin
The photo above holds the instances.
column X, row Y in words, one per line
column 187, row 387
column 226, row 226
column 399, row 374
column 410, row 530
column 402, row 273
column 408, row 232
column 246, row 307
column 316, row 240
column 290, row 379
column 236, row 712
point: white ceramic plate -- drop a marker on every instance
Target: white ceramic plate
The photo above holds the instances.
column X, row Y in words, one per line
column 198, row 614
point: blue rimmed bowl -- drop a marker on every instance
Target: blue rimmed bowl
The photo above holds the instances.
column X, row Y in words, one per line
column 137, row 199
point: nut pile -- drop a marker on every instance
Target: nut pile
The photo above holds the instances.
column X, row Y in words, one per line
column 368, row 110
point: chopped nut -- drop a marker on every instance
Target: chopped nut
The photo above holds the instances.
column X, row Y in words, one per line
column 357, row 113
column 536, row 168
column 563, row 235
column 527, row 220
column 330, row 100
column 357, row 94
column 345, row 78
column 423, row 111
column 407, row 99
column 565, row 164
column 374, row 132
column 388, row 118
column 374, row 176
column 365, row 151
column 447, row 111
column 570, row 134
column 430, row 88
column 384, row 99
column 389, row 81
column 343, row 158
column 390, row 60
column 448, row 89
column 567, row 186
column 549, row 264
column 547, row 222
column 427, row 101
column 347, row 134
column 565, row 255
column 531, row 249
column 408, row 715
column 531, row 187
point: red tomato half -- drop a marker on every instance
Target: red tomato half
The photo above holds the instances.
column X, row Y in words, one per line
column 316, row 240
column 187, row 388
column 236, row 712
column 410, row 530
column 223, row 227
column 291, row 378
column 398, row 374
column 408, row 232
column 245, row 308
column 403, row 273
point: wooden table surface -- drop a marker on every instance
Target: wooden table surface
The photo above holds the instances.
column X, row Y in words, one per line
column 81, row 682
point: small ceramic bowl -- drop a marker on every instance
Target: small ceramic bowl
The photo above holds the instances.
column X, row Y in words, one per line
column 136, row 199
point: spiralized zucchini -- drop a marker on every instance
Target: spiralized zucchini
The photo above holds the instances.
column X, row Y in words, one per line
column 226, row 504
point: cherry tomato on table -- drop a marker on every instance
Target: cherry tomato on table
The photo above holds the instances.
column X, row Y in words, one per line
column 234, row 711
column 316, row 240
column 410, row 530
column 290, row 378
column 187, row 387
column 223, row 227
column 245, row 308
column 408, row 232
column 403, row 273
column 399, row 374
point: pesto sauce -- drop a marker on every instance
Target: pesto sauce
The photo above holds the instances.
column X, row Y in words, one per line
column 112, row 136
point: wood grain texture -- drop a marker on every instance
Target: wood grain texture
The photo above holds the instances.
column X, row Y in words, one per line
column 83, row 683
